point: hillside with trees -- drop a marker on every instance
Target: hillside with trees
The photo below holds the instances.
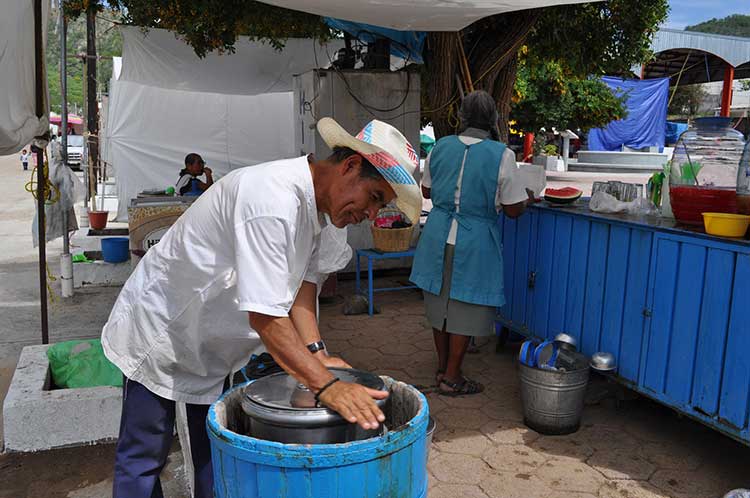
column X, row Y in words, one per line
column 734, row 25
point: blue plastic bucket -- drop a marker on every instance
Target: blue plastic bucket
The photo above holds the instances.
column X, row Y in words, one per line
column 391, row 465
column 115, row 249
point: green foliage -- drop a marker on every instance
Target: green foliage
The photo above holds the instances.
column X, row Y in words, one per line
column 108, row 43
column 686, row 100
column 601, row 37
column 550, row 150
column 744, row 85
column 567, row 46
column 209, row 25
column 549, row 97
column 734, row 25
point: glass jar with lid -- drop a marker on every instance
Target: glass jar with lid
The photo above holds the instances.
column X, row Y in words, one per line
column 703, row 170
column 743, row 182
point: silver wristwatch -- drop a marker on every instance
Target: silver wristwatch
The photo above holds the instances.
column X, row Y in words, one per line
column 316, row 346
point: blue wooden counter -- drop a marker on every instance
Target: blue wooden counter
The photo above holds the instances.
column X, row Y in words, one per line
column 672, row 304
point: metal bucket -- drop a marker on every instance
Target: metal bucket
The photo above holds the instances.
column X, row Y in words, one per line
column 553, row 401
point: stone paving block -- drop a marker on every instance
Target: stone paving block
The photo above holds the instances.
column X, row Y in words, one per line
column 573, row 494
column 336, row 346
column 513, row 485
column 514, row 458
column 567, row 474
column 656, row 427
column 398, row 349
column 462, row 418
column 424, row 344
column 689, row 484
column 461, row 441
column 563, row 446
column 458, row 469
column 599, row 415
column 617, row 463
column 456, row 491
column 424, row 369
column 604, row 438
column 509, row 409
column 437, row 404
column 630, row 489
column 508, row 432
column 363, row 358
column 503, row 393
column 473, row 401
column 672, row 455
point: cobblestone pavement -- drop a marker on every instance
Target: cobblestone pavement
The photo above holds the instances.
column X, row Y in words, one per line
column 628, row 447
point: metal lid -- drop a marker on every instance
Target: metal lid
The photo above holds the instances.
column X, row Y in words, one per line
column 280, row 399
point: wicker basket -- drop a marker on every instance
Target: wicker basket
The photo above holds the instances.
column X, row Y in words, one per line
column 391, row 239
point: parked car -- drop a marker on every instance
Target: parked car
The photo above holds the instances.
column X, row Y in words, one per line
column 75, row 151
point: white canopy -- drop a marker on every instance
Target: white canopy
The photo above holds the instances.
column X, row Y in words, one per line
column 235, row 110
column 415, row 15
column 18, row 121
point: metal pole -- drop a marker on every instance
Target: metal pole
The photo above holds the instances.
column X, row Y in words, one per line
column 39, row 87
column 64, row 86
column 92, row 111
column 66, row 262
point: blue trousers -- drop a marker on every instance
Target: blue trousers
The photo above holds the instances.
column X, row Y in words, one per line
column 146, row 431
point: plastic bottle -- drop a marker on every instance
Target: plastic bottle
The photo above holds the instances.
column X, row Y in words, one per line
column 743, row 182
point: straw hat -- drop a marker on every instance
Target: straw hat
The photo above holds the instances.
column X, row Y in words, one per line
column 391, row 154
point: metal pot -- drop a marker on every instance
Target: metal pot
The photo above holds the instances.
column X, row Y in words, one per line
column 280, row 409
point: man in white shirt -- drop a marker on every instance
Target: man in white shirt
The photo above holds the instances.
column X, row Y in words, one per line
column 245, row 251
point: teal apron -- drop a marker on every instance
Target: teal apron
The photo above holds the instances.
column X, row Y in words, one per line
column 477, row 263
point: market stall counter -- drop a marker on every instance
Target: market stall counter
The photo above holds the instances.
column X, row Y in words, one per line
column 670, row 302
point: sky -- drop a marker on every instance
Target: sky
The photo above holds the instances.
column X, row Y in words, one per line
column 689, row 12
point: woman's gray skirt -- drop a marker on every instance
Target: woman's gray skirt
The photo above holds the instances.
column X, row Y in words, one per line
column 457, row 317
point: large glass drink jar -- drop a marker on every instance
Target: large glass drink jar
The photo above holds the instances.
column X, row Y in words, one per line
column 703, row 171
column 743, row 182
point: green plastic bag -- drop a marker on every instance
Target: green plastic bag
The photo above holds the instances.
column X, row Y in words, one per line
column 82, row 364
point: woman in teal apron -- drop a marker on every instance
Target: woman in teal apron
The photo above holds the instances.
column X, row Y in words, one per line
column 458, row 264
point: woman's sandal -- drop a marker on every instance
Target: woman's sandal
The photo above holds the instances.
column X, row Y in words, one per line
column 439, row 377
column 464, row 387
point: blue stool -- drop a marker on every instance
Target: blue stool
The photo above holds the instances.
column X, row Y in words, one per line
column 371, row 256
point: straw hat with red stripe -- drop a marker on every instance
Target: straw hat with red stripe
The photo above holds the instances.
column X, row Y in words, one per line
column 391, row 154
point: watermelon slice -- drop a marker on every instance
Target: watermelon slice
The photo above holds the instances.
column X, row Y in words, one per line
column 566, row 195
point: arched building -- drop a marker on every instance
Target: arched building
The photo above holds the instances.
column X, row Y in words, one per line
column 689, row 57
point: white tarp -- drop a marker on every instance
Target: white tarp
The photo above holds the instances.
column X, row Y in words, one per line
column 18, row 121
column 415, row 15
column 151, row 130
column 157, row 58
column 167, row 103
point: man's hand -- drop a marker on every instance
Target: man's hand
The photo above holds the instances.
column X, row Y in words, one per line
column 207, row 171
column 355, row 403
column 331, row 361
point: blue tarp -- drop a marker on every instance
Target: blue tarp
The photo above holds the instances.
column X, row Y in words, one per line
column 673, row 131
column 407, row 44
column 644, row 125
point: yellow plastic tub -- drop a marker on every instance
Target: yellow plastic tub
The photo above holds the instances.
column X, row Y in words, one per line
column 725, row 224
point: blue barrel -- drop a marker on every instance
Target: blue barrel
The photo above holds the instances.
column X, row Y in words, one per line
column 115, row 249
column 393, row 465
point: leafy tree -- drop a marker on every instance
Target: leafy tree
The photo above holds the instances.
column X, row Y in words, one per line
column 734, row 25
column 109, row 43
column 546, row 96
column 685, row 100
column 587, row 39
